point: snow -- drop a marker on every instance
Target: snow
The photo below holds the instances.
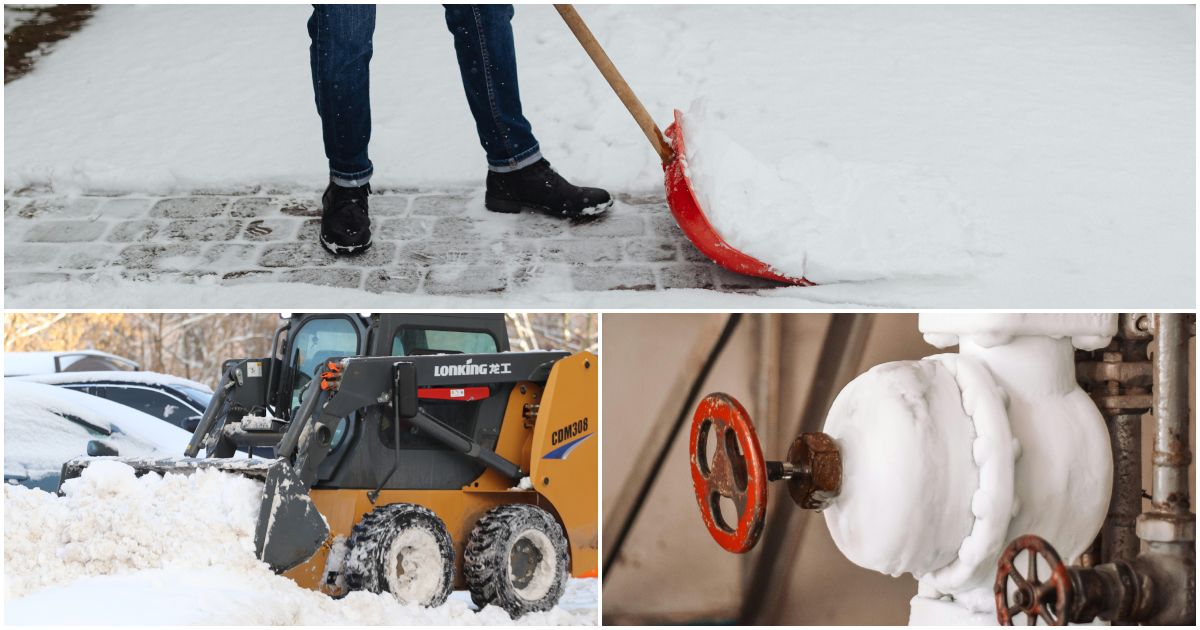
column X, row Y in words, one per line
column 152, row 378
column 817, row 217
column 111, row 522
column 178, row 549
column 1064, row 136
column 523, row 484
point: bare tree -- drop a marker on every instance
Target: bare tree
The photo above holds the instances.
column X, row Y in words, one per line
column 191, row 345
column 573, row 332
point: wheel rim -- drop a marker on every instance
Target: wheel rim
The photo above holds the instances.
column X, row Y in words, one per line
column 415, row 567
column 532, row 565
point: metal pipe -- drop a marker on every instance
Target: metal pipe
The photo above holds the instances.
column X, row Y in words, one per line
column 1118, row 378
column 1120, row 541
column 1170, row 494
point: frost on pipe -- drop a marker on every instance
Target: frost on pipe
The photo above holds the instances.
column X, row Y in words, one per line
column 908, row 475
column 814, row 216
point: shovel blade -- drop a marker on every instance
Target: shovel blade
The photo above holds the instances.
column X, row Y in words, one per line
column 695, row 225
column 290, row 529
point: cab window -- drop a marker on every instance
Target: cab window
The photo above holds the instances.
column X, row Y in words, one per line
column 316, row 342
column 418, row 341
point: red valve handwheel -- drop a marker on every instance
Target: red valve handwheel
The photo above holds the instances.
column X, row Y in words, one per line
column 1050, row 600
column 736, row 472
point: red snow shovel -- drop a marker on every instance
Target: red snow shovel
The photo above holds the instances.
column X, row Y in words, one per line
column 680, row 197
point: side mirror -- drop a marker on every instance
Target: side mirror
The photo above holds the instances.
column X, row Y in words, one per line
column 190, row 424
column 404, row 390
column 96, row 448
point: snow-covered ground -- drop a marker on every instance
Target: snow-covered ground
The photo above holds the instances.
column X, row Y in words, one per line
column 174, row 549
column 1065, row 135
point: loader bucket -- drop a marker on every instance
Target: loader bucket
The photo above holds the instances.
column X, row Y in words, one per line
column 290, row 529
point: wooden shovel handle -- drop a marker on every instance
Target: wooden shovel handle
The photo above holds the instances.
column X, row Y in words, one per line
column 606, row 67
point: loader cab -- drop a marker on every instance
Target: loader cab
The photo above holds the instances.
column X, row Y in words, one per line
column 312, row 339
column 366, row 438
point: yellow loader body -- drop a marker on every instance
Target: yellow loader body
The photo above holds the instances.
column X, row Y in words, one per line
column 556, row 441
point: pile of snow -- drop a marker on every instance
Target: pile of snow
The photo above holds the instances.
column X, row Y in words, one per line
column 173, row 549
column 818, row 217
column 111, row 522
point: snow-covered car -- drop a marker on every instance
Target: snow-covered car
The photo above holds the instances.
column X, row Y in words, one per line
column 25, row 363
column 176, row 400
column 45, row 426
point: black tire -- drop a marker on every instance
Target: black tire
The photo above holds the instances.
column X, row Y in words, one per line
column 403, row 549
column 517, row 559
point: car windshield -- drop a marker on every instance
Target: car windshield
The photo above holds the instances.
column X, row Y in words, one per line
column 412, row 341
column 195, row 394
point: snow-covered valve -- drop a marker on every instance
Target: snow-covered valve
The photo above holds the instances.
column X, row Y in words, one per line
column 736, row 471
column 940, row 462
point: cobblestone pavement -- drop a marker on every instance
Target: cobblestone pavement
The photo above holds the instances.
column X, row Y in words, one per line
column 425, row 242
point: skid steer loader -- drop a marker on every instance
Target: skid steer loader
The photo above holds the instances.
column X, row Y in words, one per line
column 412, row 454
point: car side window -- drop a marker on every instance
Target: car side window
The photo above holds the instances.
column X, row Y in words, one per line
column 158, row 404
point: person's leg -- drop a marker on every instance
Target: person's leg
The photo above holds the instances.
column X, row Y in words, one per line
column 340, row 56
column 518, row 176
column 487, row 60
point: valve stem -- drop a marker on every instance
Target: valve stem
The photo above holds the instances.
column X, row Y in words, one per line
column 781, row 470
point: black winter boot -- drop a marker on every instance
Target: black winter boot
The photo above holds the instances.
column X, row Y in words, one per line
column 537, row 187
column 345, row 226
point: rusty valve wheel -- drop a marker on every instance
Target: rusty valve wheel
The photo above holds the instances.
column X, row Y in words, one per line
column 1049, row 600
column 736, row 472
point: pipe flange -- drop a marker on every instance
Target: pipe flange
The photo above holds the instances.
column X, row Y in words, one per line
column 994, row 502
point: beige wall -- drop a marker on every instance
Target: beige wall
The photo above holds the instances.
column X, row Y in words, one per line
column 671, row 570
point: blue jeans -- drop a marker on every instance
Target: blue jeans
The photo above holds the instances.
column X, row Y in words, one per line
column 341, row 57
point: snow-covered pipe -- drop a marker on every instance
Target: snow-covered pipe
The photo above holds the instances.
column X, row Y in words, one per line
column 948, row 459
